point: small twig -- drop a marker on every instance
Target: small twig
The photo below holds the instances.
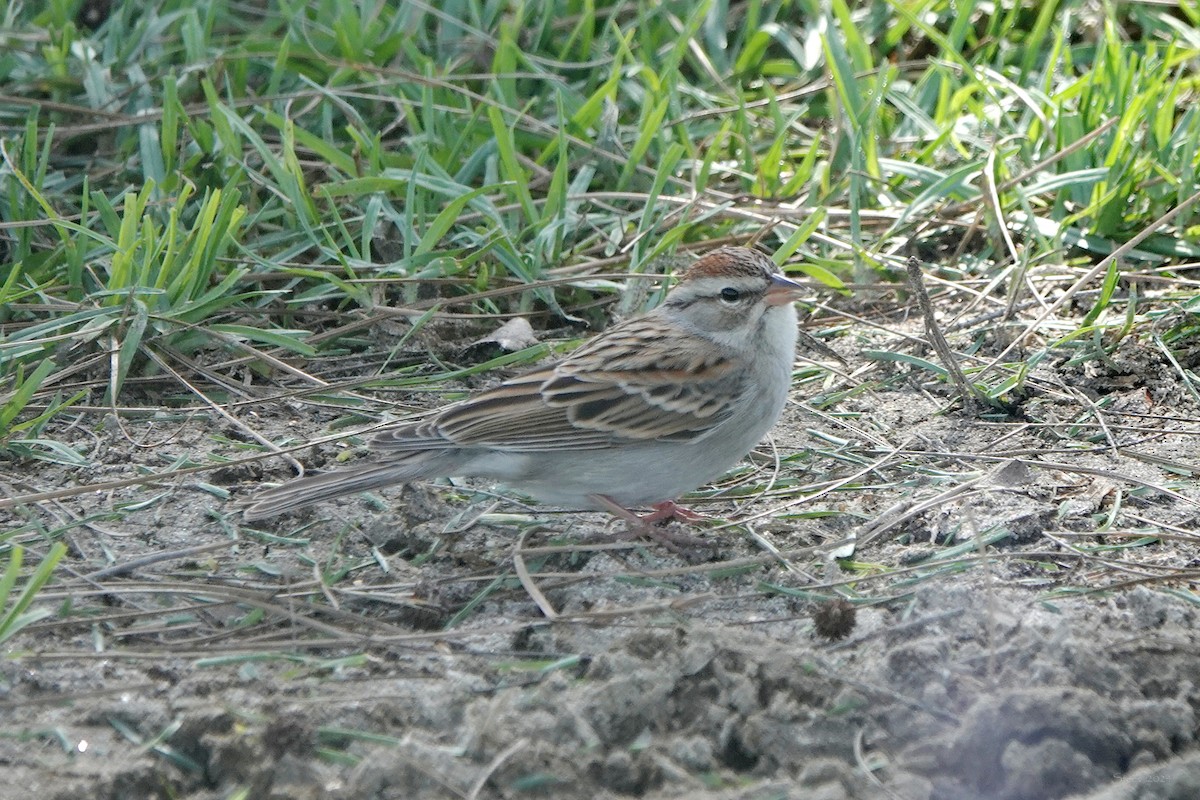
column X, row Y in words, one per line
column 991, row 198
column 766, row 545
column 1085, row 401
column 531, row 588
column 814, row 343
column 968, row 391
column 1184, row 376
column 320, row 582
column 220, row 411
column 488, row 771
column 153, row 558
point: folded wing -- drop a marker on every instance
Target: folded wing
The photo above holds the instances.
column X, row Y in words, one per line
column 611, row 390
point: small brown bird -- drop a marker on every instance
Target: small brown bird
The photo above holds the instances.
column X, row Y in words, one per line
column 650, row 409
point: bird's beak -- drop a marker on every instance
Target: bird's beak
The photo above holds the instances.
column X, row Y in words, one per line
column 783, row 291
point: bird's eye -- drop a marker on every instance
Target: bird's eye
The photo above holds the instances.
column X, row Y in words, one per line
column 730, row 294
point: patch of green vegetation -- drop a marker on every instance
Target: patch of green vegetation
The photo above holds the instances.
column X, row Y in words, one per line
column 180, row 180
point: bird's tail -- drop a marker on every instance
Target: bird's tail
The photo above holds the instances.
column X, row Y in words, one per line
column 327, row 485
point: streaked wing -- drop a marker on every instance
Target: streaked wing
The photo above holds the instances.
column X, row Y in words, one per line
column 613, row 389
column 516, row 416
column 680, row 385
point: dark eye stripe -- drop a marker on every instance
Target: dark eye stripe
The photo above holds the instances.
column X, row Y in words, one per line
column 729, row 292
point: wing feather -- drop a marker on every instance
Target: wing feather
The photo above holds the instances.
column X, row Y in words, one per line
column 612, row 390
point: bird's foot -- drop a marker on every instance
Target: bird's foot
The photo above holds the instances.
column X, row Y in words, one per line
column 668, row 510
column 646, row 526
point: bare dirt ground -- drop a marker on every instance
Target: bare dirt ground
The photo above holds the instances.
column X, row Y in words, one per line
column 1011, row 614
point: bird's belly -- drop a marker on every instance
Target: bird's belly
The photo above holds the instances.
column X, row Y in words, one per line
column 632, row 477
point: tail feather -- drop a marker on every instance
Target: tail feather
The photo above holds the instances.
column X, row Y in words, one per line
column 312, row 489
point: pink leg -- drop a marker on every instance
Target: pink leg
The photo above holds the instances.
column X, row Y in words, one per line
column 644, row 524
column 668, row 509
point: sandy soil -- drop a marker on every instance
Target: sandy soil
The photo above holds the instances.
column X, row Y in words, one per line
column 450, row 643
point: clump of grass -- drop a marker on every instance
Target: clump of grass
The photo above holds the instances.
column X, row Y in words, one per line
column 16, row 603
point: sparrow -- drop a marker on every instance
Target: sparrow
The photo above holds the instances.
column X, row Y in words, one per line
column 652, row 408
